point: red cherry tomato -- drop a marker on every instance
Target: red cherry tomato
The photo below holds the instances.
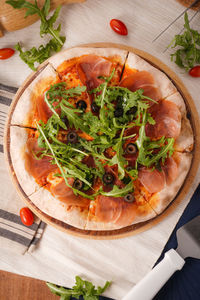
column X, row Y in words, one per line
column 6, row 53
column 119, row 27
column 26, row 216
column 195, row 71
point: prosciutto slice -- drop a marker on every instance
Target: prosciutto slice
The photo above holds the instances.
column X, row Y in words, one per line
column 65, row 194
column 42, row 109
column 142, row 80
column 39, row 169
column 153, row 181
column 90, row 67
column 170, row 169
column 168, row 120
column 115, row 210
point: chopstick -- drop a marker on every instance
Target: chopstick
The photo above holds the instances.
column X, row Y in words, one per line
column 185, row 10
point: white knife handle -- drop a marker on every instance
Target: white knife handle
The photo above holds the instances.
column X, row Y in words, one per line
column 148, row 287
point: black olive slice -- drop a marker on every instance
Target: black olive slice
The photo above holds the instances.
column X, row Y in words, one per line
column 129, row 198
column 72, row 137
column 108, row 178
column 81, row 104
column 118, row 112
column 132, row 110
column 78, row 184
column 94, row 107
column 131, row 148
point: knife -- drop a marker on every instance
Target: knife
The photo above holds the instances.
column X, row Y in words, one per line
column 188, row 237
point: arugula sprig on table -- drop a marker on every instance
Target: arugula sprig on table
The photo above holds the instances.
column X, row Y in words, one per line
column 81, row 288
column 188, row 53
column 105, row 131
column 34, row 55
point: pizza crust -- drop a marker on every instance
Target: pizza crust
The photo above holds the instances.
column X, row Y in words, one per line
column 67, row 54
column 168, row 194
column 142, row 212
column 48, row 204
column 18, row 138
column 26, row 103
column 178, row 100
column 162, row 82
column 185, row 140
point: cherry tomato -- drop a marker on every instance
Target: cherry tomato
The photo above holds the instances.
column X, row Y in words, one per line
column 119, row 27
column 6, row 53
column 195, row 71
column 26, row 216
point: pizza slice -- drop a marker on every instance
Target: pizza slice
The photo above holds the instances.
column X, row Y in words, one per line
column 31, row 107
column 89, row 64
column 109, row 213
column 64, row 208
column 174, row 173
column 140, row 74
column 88, row 70
column 38, row 177
column 29, row 171
column 185, row 140
column 170, row 113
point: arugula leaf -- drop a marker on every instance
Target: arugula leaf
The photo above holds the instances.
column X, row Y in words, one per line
column 81, row 288
column 118, row 158
column 73, row 117
column 162, row 154
column 34, row 55
column 188, row 52
column 146, row 156
column 30, row 57
column 57, row 94
column 119, row 192
column 89, row 145
column 133, row 173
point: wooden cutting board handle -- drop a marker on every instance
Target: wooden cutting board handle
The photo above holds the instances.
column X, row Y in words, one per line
column 13, row 19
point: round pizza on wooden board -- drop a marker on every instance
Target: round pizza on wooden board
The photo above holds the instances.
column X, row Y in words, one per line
column 98, row 141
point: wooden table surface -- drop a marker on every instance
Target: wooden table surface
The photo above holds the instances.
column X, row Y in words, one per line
column 16, row 287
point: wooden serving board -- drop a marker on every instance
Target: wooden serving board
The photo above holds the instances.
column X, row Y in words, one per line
column 12, row 19
column 132, row 229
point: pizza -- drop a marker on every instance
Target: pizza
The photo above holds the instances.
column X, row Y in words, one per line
column 100, row 139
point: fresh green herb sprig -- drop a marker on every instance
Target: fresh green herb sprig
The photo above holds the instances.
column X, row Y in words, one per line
column 34, row 55
column 119, row 192
column 65, row 173
column 188, row 53
column 81, row 288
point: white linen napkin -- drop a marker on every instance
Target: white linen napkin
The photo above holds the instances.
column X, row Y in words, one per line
column 13, row 234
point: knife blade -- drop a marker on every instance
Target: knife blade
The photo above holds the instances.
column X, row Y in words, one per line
column 188, row 237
